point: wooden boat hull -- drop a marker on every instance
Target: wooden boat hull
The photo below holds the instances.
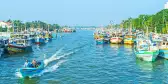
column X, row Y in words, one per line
column 1, row 51
column 163, row 53
column 126, row 41
column 106, row 40
column 147, row 55
column 39, row 41
column 48, row 39
column 99, row 42
column 116, row 40
column 12, row 49
column 28, row 72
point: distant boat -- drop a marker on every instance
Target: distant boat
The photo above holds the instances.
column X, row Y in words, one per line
column 116, row 39
column 129, row 39
column 106, row 39
column 48, row 37
column 39, row 39
column 99, row 41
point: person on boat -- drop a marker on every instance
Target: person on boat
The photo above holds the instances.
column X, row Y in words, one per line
column 35, row 63
column 27, row 64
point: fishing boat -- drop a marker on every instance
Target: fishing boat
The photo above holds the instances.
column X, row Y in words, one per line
column 39, row 39
column 155, row 37
column 146, row 50
column 99, row 37
column 129, row 39
column 106, row 38
column 163, row 49
column 116, row 39
column 48, row 36
column 99, row 41
column 18, row 45
column 31, row 37
column 139, row 37
column 29, row 71
column 3, row 44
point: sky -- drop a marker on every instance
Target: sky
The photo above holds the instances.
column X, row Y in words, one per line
column 77, row 12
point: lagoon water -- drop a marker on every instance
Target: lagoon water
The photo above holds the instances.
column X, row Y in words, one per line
column 74, row 58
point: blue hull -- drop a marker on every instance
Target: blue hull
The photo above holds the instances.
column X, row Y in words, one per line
column 99, row 42
column 106, row 42
column 163, row 53
column 48, row 39
column 29, row 72
column 40, row 41
column 33, row 40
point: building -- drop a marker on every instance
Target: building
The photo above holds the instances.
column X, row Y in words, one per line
column 5, row 24
column 166, row 5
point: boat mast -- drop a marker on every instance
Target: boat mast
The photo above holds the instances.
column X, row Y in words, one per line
column 147, row 31
column 13, row 26
column 111, row 25
column 48, row 27
column 21, row 28
column 25, row 27
column 130, row 29
column 163, row 22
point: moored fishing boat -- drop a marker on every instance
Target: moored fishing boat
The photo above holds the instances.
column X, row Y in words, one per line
column 163, row 49
column 106, row 38
column 116, row 39
column 3, row 44
column 39, row 39
column 99, row 41
column 129, row 39
column 18, row 45
column 146, row 50
column 48, row 36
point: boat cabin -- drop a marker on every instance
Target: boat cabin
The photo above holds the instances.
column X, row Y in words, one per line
column 163, row 45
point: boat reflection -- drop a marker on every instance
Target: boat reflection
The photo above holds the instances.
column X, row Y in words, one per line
column 28, row 81
column 115, row 45
column 149, row 66
column 128, row 46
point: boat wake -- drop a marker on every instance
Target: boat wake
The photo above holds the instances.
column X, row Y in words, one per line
column 52, row 68
column 57, row 56
column 53, row 57
column 18, row 74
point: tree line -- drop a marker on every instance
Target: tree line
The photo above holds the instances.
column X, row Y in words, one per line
column 18, row 25
column 155, row 23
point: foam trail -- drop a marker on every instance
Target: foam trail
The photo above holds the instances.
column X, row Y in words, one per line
column 18, row 74
column 54, row 67
column 50, row 69
column 47, row 61
column 52, row 58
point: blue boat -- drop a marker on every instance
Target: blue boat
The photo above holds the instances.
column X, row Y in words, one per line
column 163, row 49
column 99, row 41
column 39, row 40
column 106, row 39
column 48, row 36
column 29, row 71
